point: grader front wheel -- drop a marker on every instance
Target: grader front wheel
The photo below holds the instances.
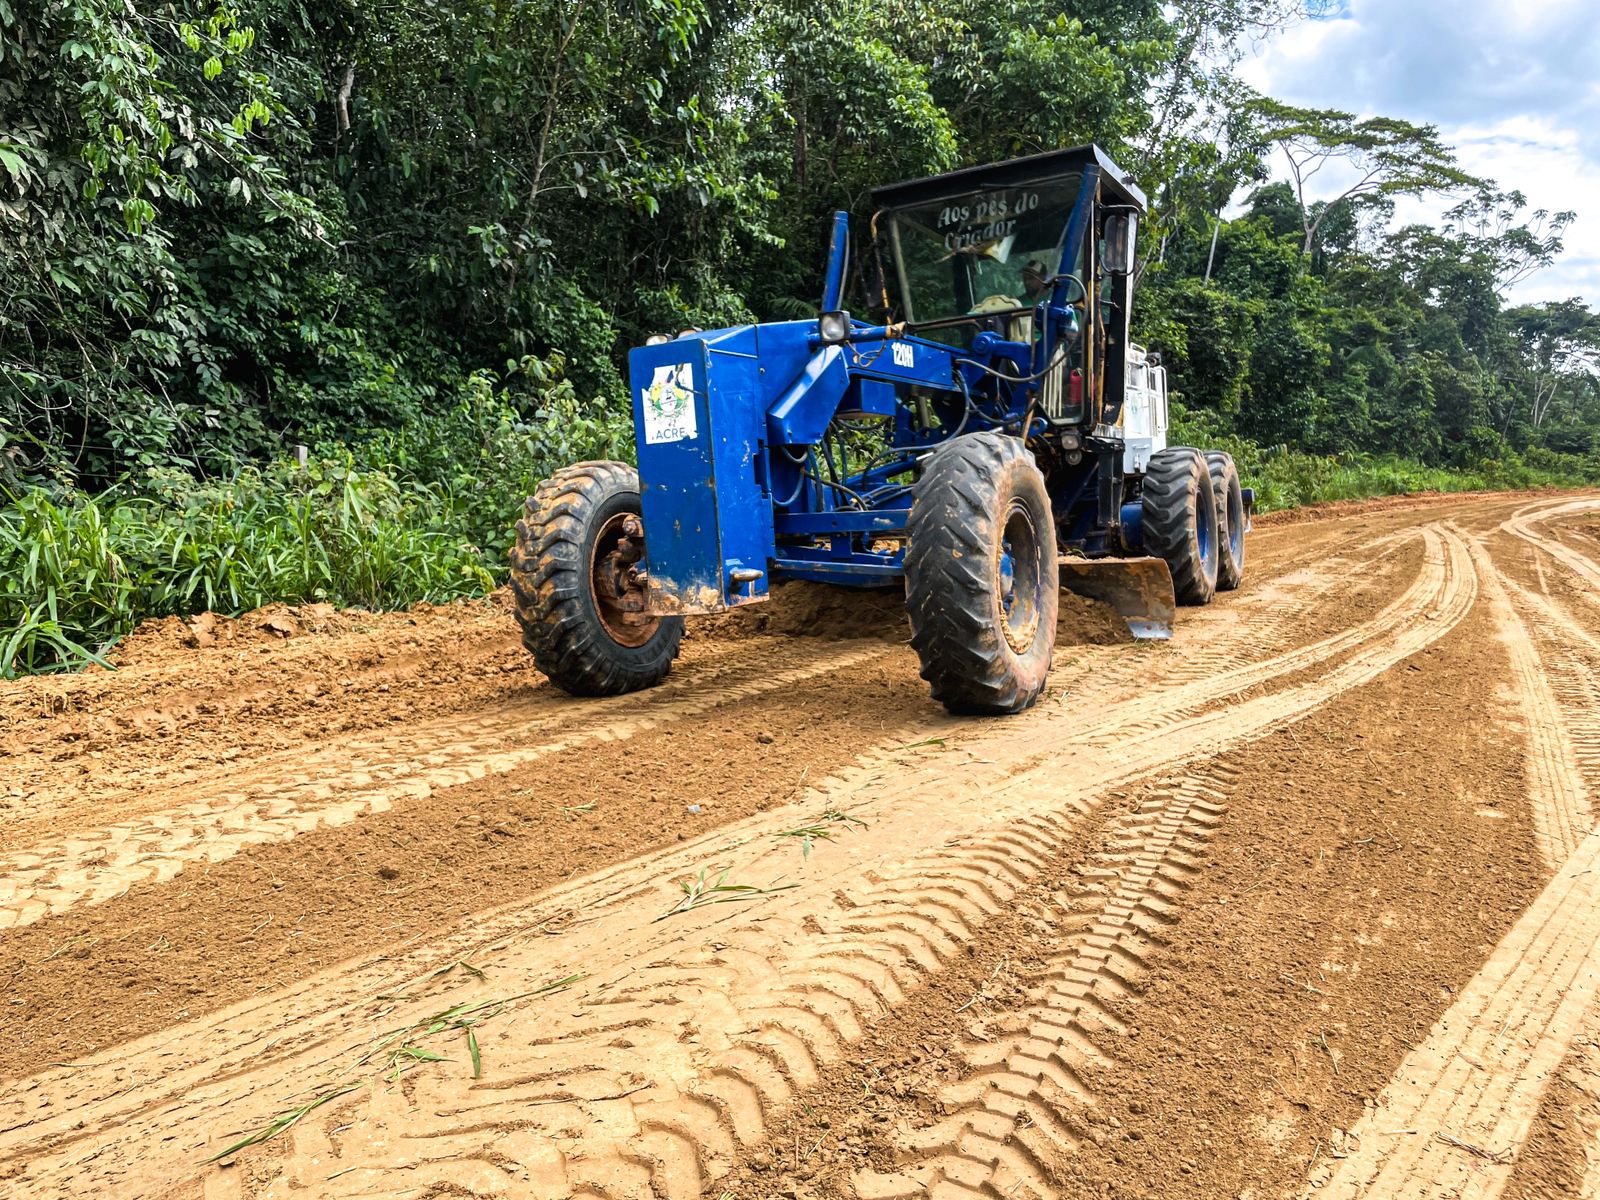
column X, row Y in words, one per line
column 982, row 575
column 578, row 577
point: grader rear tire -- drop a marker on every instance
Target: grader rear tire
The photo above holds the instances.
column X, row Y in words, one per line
column 1180, row 521
column 581, row 617
column 982, row 575
column 1230, row 519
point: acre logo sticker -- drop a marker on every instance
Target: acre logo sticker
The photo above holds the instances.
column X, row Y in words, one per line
column 669, row 404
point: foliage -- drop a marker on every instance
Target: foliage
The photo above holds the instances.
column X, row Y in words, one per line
column 77, row 573
column 487, row 450
column 132, row 143
column 1284, row 477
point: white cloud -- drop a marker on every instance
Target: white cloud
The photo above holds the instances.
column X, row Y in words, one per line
column 1515, row 87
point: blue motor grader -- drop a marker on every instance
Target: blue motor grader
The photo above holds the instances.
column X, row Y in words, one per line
column 996, row 437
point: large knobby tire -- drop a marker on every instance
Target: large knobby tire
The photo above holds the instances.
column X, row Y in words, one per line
column 982, row 575
column 1180, row 521
column 581, row 531
column 1230, row 519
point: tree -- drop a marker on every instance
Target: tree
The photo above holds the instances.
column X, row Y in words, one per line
column 1381, row 156
column 129, row 138
column 1491, row 221
column 1562, row 342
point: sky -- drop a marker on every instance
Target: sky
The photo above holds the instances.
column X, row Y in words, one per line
column 1514, row 86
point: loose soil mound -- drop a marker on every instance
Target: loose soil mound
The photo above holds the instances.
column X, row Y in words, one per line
column 274, row 676
column 1086, row 622
column 157, row 641
column 818, row 610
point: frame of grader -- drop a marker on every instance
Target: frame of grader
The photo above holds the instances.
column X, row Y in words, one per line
column 1000, row 438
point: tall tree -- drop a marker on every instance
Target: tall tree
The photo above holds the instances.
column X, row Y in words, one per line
column 1374, row 156
column 1492, row 222
column 1562, row 341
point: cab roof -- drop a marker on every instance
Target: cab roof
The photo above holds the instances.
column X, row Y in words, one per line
column 1116, row 184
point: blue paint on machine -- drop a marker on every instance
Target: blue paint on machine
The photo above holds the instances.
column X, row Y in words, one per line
column 703, row 487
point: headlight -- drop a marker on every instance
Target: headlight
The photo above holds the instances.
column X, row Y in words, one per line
column 834, row 327
column 657, row 339
column 691, row 329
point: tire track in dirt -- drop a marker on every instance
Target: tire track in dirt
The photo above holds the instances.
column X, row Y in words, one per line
column 1566, row 1133
column 1524, row 524
column 294, row 792
column 1558, row 798
column 97, row 865
column 1461, row 1106
column 944, row 903
column 1012, row 1118
column 1570, row 658
column 690, row 1142
column 1477, row 1078
column 166, row 1088
column 719, row 1037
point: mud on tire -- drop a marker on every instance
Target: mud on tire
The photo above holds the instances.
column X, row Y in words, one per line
column 982, row 575
column 1230, row 519
column 1180, row 521
column 578, row 635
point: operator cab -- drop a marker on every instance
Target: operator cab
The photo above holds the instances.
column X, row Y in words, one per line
column 976, row 253
column 1033, row 250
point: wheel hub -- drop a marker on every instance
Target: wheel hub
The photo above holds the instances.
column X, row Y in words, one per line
column 1018, row 577
column 618, row 583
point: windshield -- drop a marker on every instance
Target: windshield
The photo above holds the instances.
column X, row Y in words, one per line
column 981, row 252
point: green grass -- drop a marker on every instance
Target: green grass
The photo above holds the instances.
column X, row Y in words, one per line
column 1291, row 479
column 78, row 572
column 1284, row 477
column 823, row 828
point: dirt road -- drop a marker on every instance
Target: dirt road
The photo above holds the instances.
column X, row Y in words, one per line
column 1305, row 903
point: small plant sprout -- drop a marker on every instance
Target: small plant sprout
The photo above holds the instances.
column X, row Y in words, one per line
column 700, row 892
column 283, row 1121
column 822, row 829
column 400, row 1050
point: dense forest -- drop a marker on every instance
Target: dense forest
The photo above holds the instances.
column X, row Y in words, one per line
column 419, row 239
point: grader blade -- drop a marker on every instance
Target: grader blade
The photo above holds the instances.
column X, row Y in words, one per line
column 1139, row 589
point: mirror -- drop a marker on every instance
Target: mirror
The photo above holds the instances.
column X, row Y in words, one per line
column 1121, row 229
